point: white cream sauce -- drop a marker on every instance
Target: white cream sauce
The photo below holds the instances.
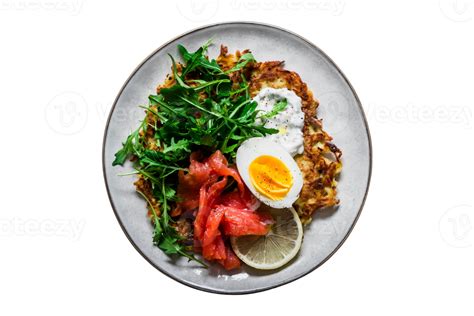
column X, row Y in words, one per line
column 289, row 122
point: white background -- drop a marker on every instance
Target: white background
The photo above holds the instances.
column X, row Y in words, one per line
column 62, row 64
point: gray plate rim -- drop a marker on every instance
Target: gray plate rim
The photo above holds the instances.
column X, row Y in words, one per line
column 296, row 277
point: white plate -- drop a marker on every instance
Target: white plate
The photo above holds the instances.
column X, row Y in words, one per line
column 343, row 118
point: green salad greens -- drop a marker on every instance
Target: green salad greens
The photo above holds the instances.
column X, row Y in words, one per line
column 204, row 110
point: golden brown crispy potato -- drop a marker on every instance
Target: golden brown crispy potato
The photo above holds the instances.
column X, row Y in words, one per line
column 320, row 162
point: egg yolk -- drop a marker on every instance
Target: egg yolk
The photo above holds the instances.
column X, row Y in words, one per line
column 270, row 177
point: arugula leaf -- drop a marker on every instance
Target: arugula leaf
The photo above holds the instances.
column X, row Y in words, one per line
column 176, row 76
column 159, row 159
column 169, row 245
column 180, row 145
column 199, row 60
column 192, row 62
column 204, row 84
column 184, row 53
column 129, row 148
column 243, row 61
column 231, row 149
column 211, row 65
column 277, row 108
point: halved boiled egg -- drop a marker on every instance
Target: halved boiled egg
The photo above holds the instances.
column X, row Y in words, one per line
column 269, row 172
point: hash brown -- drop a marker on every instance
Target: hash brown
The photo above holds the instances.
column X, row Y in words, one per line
column 320, row 162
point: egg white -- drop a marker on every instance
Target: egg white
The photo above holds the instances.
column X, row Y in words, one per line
column 259, row 146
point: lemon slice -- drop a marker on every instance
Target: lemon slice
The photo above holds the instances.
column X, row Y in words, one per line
column 276, row 248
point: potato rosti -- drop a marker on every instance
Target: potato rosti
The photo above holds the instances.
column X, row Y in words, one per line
column 320, row 162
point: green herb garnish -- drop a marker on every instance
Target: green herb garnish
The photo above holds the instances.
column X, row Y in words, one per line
column 203, row 111
column 277, row 108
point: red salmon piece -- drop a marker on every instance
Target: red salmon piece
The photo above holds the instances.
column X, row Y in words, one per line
column 220, row 248
column 231, row 199
column 236, row 199
column 218, row 163
column 218, row 215
column 231, row 261
column 241, row 222
column 212, row 226
column 190, row 184
column 215, row 250
column 206, row 202
column 199, row 173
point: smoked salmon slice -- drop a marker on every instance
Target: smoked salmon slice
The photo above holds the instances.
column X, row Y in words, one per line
column 219, row 214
